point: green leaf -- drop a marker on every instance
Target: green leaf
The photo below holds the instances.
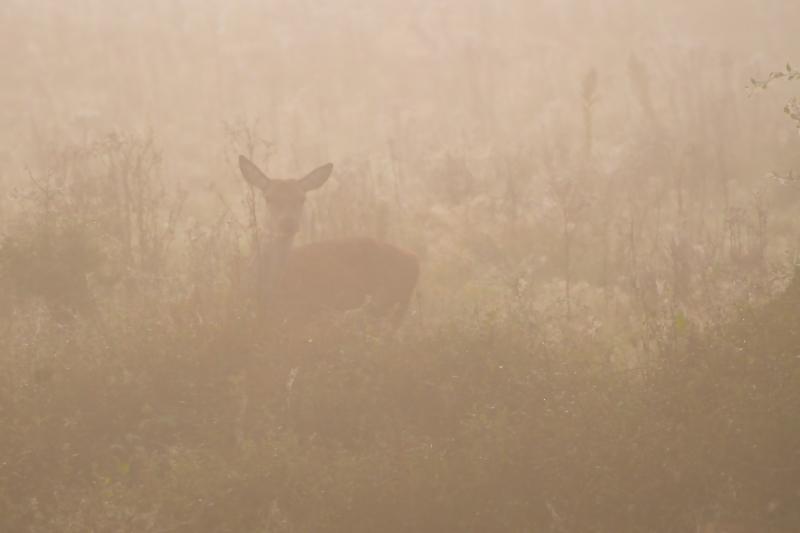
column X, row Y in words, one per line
column 681, row 322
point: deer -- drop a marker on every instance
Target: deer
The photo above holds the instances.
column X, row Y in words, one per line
column 335, row 276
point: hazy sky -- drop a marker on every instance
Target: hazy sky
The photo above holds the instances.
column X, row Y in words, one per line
column 338, row 78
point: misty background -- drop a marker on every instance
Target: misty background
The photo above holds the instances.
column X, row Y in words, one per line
column 603, row 198
column 341, row 80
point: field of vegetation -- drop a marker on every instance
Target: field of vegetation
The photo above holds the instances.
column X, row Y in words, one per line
column 603, row 198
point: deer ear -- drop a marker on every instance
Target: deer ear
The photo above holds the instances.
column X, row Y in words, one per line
column 252, row 174
column 316, row 178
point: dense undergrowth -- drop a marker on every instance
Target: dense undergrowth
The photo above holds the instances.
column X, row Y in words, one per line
column 140, row 393
column 151, row 424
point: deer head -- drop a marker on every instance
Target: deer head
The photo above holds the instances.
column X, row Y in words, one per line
column 284, row 198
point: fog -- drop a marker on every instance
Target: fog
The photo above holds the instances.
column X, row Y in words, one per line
column 431, row 265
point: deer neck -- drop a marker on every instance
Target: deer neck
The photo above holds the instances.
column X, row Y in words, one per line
column 275, row 254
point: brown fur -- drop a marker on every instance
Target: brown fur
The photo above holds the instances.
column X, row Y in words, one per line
column 346, row 274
